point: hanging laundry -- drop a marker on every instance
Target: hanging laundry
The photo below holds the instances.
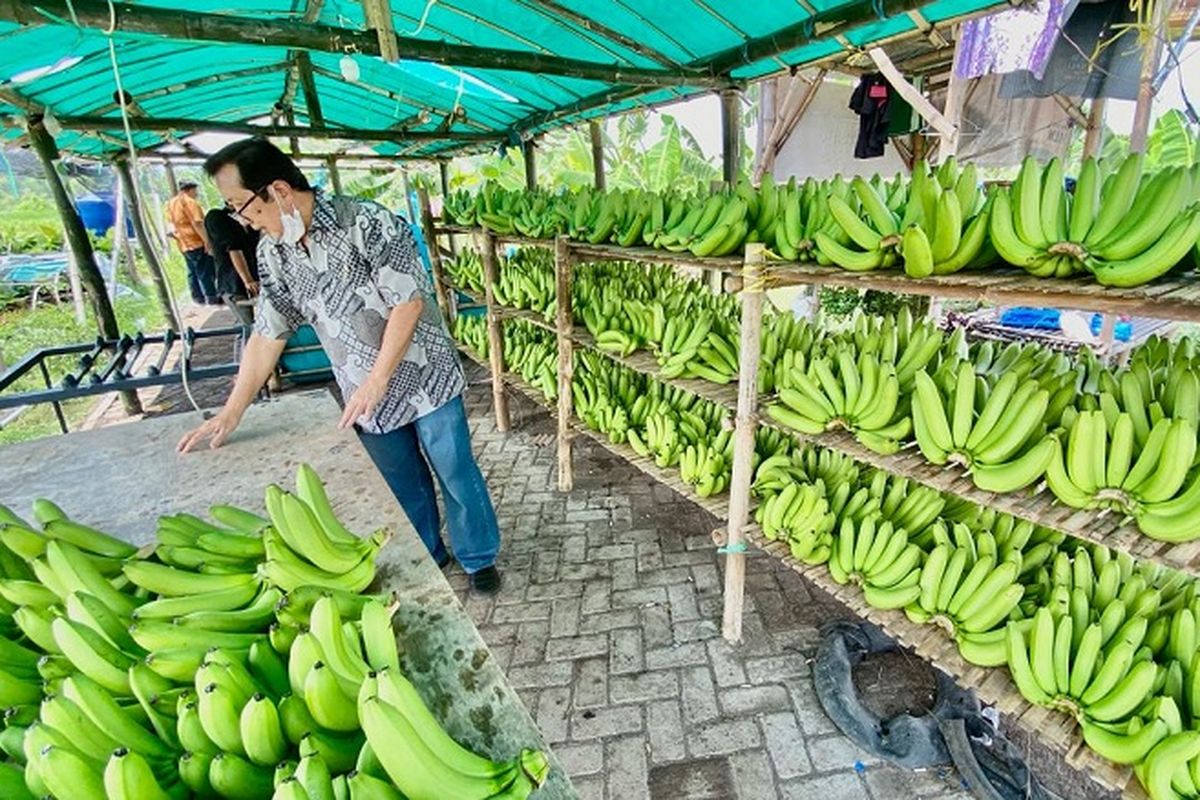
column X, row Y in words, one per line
column 1016, row 39
column 871, row 100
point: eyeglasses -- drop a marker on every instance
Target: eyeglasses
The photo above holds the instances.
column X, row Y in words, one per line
column 240, row 213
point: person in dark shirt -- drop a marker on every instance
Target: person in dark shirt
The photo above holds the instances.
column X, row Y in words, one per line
column 233, row 249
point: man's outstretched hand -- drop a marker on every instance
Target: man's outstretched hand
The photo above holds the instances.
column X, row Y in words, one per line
column 363, row 402
column 216, row 430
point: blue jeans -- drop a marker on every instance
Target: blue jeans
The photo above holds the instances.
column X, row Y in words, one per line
column 202, row 276
column 442, row 439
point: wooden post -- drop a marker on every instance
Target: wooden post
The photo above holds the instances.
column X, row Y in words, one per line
column 814, row 304
column 293, row 141
column 76, row 286
column 1108, row 330
column 435, row 257
column 122, row 247
column 485, row 242
column 597, row 137
column 1150, row 58
column 444, row 174
column 743, row 439
column 335, row 178
column 731, row 134
column 564, row 322
column 170, row 172
column 527, row 148
column 146, row 242
column 1093, row 139
column 82, row 255
column 408, row 201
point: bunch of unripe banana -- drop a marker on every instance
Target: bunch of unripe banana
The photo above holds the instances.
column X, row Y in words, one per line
column 226, row 660
column 471, row 331
column 526, row 280
column 532, row 353
column 1002, row 440
column 859, row 383
column 937, row 224
column 465, row 270
column 1126, row 228
column 1122, row 224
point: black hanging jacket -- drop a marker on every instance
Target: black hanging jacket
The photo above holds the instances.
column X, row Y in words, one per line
column 870, row 101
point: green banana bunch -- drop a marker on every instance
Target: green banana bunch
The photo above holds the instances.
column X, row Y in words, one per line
column 870, row 225
column 970, row 590
column 945, row 225
column 1098, row 469
column 465, row 270
column 997, row 431
column 1171, row 763
column 861, row 395
column 799, row 514
column 878, row 556
column 1126, row 231
column 1102, row 682
column 471, row 332
column 418, row 755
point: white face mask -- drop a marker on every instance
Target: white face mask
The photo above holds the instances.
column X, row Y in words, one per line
column 293, row 223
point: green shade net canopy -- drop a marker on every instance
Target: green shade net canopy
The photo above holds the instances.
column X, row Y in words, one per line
column 471, row 74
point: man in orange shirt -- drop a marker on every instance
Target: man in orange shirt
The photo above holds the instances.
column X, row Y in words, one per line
column 186, row 220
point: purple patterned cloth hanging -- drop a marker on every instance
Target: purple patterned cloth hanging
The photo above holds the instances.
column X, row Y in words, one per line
column 1007, row 41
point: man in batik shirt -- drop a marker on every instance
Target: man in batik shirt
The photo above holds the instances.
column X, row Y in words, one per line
column 350, row 269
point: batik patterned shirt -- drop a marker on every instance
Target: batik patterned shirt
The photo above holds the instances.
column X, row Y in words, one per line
column 357, row 262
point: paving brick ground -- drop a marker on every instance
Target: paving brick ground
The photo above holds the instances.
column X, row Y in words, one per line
column 609, row 627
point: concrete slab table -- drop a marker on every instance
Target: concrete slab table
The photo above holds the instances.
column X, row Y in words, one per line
column 122, row 478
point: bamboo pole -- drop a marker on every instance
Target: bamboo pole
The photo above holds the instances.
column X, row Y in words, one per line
column 566, row 360
column 940, row 122
column 485, row 242
column 731, row 134
column 76, row 285
column 146, row 242
column 527, row 149
column 408, row 199
column 435, row 257
column 597, row 137
column 82, row 255
column 1093, row 139
column 1150, row 59
column 743, row 440
column 93, row 123
column 444, row 175
column 335, row 177
column 302, row 35
column 83, row 258
column 169, row 169
column 122, row 246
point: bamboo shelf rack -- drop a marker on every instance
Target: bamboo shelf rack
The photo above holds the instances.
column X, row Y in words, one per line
column 1173, row 299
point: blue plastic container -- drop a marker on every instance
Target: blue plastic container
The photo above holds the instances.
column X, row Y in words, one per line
column 303, row 360
column 97, row 211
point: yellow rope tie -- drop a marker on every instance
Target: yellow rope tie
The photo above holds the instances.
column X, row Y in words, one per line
column 757, row 281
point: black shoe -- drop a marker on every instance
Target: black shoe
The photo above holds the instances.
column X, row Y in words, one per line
column 486, row 580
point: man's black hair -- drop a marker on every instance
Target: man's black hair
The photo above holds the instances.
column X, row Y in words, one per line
column 259, row 163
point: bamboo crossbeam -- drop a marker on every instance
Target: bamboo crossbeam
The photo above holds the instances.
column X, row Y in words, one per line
column 301, row 35
column 170, row 124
